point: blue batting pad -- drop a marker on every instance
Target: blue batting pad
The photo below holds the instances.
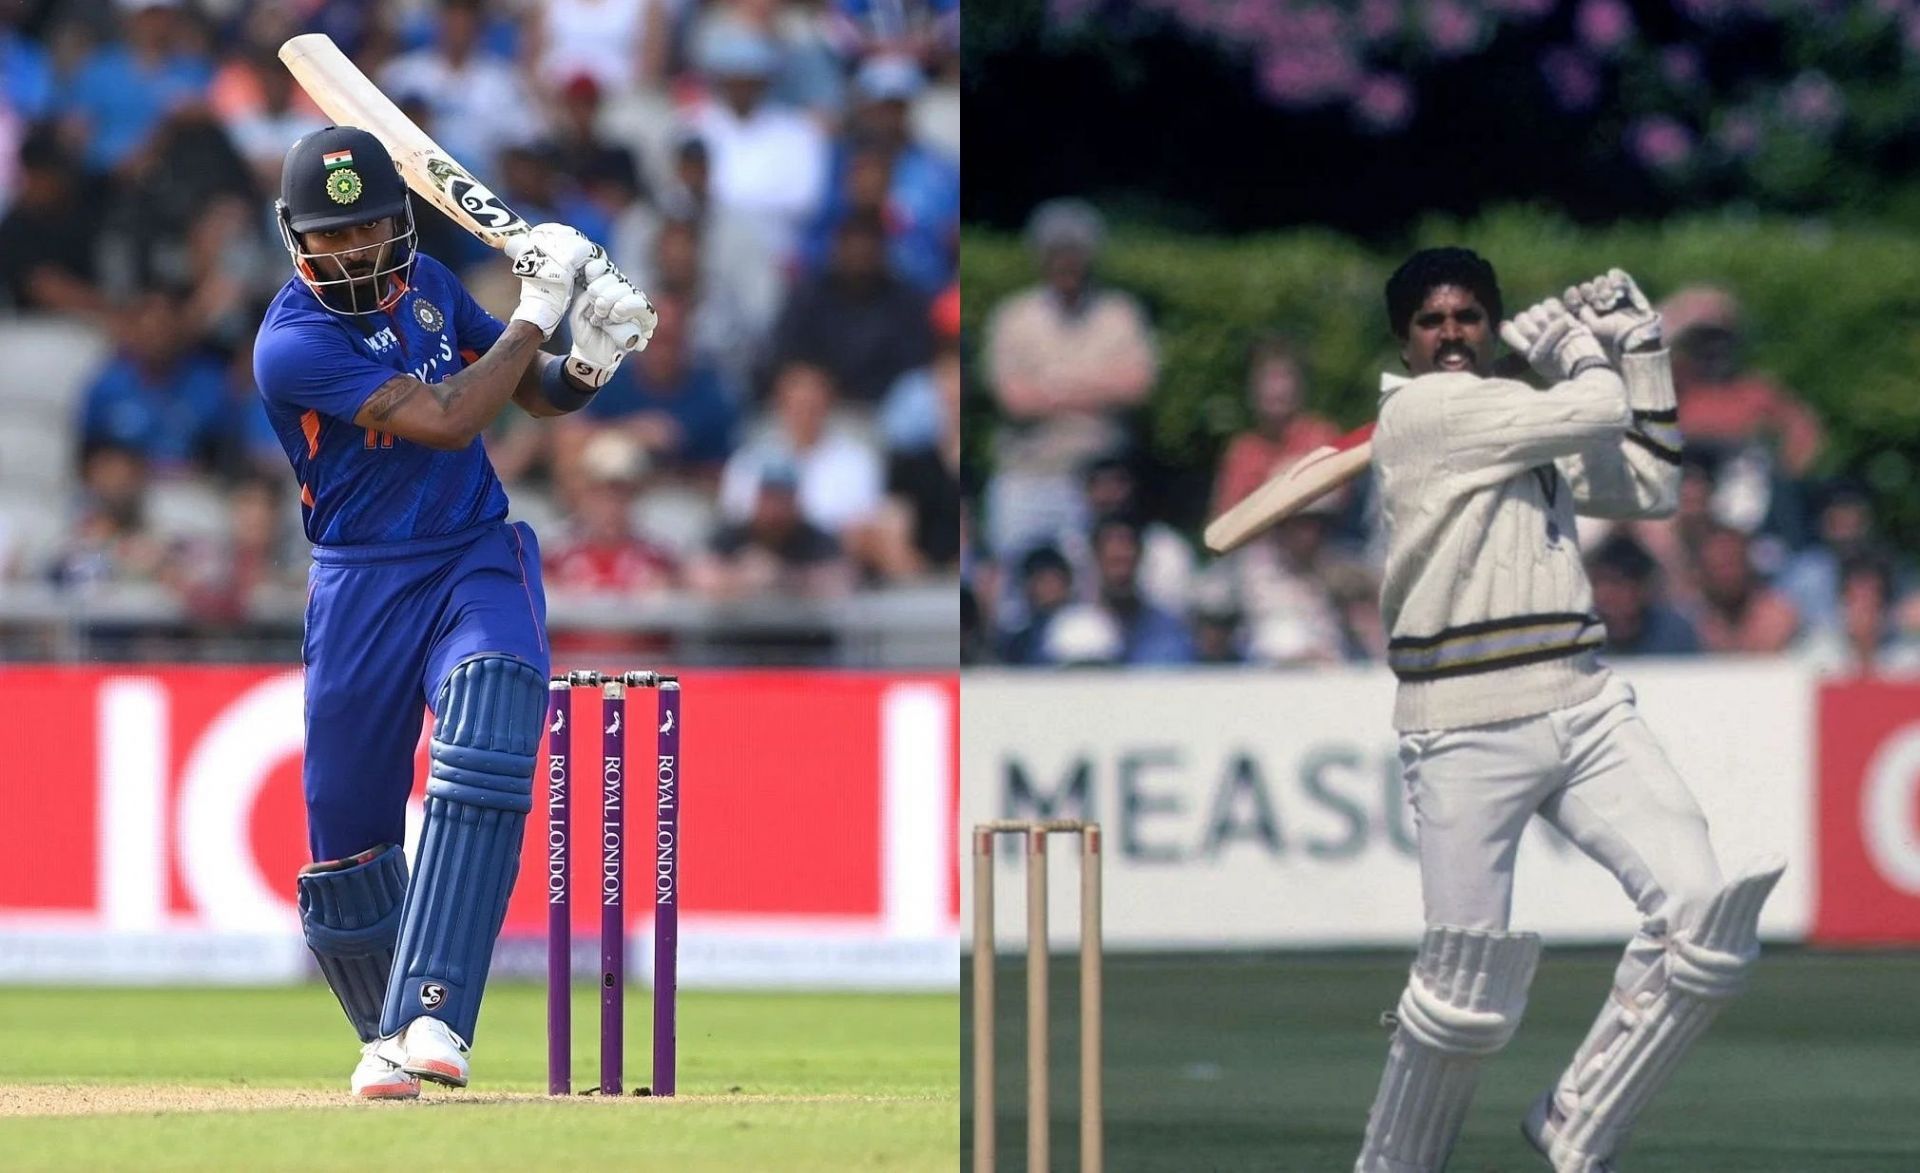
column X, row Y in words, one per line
column 491, row 713
column 350, row 909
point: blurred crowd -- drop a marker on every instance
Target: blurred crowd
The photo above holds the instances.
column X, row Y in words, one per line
column 782, row 176
column 1071, row 560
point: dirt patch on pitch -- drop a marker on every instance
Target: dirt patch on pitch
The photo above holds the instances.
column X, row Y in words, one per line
column 106, row 1099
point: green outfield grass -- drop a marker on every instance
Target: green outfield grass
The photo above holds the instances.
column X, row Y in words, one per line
column 1268, row 1063
column 767, row 1082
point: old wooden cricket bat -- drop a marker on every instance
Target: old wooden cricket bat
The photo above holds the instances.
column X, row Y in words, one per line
column 1292, row 489
column 338, row 87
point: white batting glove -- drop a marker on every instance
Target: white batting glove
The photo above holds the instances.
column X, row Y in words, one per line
column 597, row 351
column 1555, row 343
column 617, row 304
column 1617, row 312
column 610, row 320
column 547, row 260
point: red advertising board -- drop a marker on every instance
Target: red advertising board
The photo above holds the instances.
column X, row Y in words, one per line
column 148, row 799
column 1869, row 814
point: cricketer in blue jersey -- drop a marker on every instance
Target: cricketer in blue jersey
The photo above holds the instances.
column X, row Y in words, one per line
column 379, row 374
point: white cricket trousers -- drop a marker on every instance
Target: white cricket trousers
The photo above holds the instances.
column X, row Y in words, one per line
column 1596, row 773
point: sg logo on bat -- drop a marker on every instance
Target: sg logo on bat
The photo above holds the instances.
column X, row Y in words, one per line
column 472, row 195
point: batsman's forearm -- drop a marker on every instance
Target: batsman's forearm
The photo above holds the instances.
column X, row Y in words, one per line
column 472, row 398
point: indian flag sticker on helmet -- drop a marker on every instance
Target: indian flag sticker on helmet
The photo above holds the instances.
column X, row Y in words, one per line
column 343, row 186
column 334, row 159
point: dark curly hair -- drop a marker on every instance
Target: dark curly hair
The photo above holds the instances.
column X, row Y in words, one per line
column 1430, row 268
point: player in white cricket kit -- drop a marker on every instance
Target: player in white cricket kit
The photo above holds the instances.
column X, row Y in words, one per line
column 1505, row 711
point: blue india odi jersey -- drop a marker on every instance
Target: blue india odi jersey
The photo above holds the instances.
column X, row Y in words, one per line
column 316, row 369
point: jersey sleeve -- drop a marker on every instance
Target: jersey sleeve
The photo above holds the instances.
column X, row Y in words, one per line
column 304, row 367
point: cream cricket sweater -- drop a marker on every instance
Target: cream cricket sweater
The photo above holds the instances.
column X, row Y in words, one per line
column 1485, row 598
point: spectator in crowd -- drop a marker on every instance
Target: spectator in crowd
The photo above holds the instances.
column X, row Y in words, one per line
column 476, row 101
column 775, row 551
column 1766, row 437
column 881, row 170
column 26, row 94
column 975, row 645
column 936, row 113
column 27, row 80
column 1218, row 622
column 667, row 402
column 912, row 414
column 47, row 255
column 857, row 320
column 602, row 553
column 1046, row 587
column 737, row 266
column 1874, row 642
column 184, row 212
column 623, row 45
column 721, row 332
column 1739, row 612
column 1166, row 560
column 1675, row 542
column 916, row 531
column 1283, row 430
column 160, row 395
column 219, row 581
column 123, row 91
column 1844, row 527
column 1064, row 360
column 1148, row 634
column 811, row 75
column 533, row 185
column 1285, row 585
column 838, row 475
column 769, row 161
column 1866, row 640
column 1626, row 596
column 602, row 170
column 266, row 113
column 110, row 541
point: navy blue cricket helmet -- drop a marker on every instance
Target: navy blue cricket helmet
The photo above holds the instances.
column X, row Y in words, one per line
column 337, row 178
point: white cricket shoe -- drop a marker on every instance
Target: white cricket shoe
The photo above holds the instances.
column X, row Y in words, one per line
column 380, row 1078
column 1541, row 1133
column 429, row 1049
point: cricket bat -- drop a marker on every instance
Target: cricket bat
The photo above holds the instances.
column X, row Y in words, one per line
column 1292, row 489
column 337, row 86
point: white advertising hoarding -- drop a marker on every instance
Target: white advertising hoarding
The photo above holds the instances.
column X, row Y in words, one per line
column 1256, row 809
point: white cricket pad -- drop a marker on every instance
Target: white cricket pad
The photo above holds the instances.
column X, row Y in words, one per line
column 1643, row 1033
column 1463, row 1002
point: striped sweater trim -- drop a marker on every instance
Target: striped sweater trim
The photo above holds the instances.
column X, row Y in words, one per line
column 1494, row 644
column 1664, row 452
column 1658, row 432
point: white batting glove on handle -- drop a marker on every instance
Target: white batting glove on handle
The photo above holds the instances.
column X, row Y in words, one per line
column 1556, row 344
column 1617, row 312
column 617, row 304
column 610, row 320
column 547, row 260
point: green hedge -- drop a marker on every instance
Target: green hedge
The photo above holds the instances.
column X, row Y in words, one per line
column 1834, row 312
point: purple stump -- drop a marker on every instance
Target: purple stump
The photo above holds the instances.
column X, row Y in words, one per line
column 613, row 929
column 666, row 887
column 559, row 930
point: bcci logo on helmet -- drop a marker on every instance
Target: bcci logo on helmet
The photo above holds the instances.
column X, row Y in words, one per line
column 344, row 186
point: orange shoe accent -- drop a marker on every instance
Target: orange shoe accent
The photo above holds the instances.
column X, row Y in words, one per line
column 391, row 1091
column 438, row 1072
